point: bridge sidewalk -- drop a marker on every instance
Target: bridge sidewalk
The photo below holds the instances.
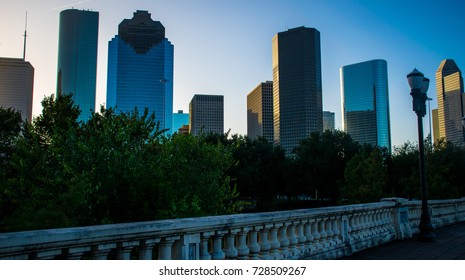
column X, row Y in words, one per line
column 449, row 245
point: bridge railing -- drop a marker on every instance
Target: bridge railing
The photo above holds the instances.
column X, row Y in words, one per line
column 322, row 233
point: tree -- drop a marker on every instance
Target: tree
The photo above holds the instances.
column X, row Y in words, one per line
column 320, row 163
column 365, row 178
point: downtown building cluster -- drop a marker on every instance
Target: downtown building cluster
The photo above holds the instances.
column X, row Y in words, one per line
column 284, row 110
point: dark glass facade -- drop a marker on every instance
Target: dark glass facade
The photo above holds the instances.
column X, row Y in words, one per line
column 260, row 112
column 140, row 69
column 297, row 90
column 77, row 58
column 365, row 102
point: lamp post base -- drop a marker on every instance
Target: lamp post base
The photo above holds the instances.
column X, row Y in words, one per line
column 426, row 230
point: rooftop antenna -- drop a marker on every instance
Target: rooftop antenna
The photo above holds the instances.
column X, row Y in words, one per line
column 25, row 35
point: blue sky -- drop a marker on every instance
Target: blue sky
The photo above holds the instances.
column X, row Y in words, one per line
column 224, row 47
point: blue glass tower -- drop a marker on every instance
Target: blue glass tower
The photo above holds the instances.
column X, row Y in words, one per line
column 365, row 102
column 77, row 58
column 140, row 69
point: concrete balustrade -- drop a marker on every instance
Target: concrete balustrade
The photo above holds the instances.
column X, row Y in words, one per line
column 322, row 233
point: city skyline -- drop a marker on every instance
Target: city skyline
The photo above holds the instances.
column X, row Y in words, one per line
column 222, row 47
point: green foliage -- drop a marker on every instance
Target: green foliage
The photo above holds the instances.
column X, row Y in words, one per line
column 117, row 167
column 320, row 164
column 366, row 177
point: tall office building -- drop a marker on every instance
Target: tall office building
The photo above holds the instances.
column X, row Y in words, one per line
column 451, row 101
column 297, row 91
column 77, row 58
column 365, row 102
column 206, row 114
column 329, row 121
column 140, row 69
column 16, row 85
column 260, row 112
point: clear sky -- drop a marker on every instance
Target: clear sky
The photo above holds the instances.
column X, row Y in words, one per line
column 224, row 47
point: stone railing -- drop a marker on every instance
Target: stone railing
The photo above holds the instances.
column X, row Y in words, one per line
column 323, row 233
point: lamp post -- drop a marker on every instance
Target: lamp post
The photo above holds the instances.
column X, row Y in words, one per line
column 463, row 128
column 419, row 86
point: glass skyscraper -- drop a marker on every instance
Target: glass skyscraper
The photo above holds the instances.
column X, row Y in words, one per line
column 365, row 102
column 451, row 102
column 140, row 69
column 77, row 58
column 297, row 90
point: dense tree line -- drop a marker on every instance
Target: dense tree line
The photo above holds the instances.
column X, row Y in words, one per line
column 119, row 167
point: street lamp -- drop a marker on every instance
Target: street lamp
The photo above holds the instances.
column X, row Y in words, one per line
column 419, row 86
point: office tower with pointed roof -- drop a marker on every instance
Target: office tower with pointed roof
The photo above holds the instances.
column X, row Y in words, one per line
column 451, row 102
column 140, row 69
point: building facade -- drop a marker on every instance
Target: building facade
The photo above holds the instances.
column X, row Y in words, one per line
column 17, row 85
column 77, row 58
column 365, row 102
column 297, row 89
column 180, row 119
column 206, row 114
column 260, row 112
column 329, row 121
column 140, row 69
column 451, row 102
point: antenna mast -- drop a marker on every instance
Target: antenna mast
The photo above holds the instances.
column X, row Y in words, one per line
column 25, row 35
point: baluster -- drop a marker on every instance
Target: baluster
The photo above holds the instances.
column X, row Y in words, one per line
column 166, row 244
column 74, row 253
column 301, row 238
column 275, row 244
column 217, row 248
column 284, row 242
column 242, row 248
column 123, row 249
column 323, row 234
column 230, row 249
column 204, row 240
column 101, row 251
column 316, row 235
column 292, row 240
column 329, row 232
column 335, row 226
column 146, row 248
column 254, row 247
column 308, row 237
column 264, row 243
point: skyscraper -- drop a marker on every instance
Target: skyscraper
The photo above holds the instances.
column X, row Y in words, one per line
column 77, row 58
column 297, row 90
column 260, row 112
column 206, row 114
column 140, row 69
column 16, row 85
column 365, row 102
column 329, row 122
column 451, row 101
